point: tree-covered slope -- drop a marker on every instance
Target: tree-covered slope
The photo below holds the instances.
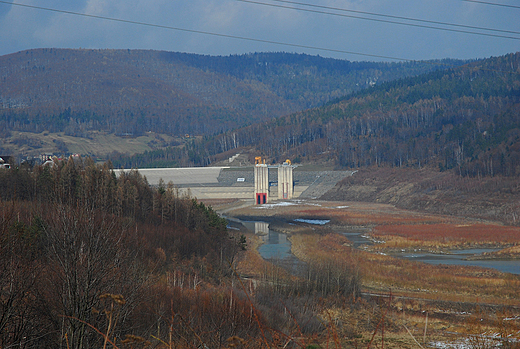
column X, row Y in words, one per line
column 124, row 92
column 133, row 91
column 466, row 118
column 82, row 250
column 309, row 80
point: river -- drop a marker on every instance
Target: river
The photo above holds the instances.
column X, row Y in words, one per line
column 276, row 246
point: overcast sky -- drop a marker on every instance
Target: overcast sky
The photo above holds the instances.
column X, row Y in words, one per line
column 23, row 28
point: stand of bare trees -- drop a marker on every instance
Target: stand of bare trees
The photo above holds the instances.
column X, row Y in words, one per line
column 83, row 251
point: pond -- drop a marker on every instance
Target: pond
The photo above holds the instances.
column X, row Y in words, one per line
column 454, row 257
column 459, row 257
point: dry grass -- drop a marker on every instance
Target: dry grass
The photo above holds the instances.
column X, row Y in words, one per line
column 98, row 143
column 445, row 236
column 407, row 278
column 447, row 293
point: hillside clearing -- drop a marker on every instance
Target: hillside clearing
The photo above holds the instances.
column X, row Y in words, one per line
column 97, row 144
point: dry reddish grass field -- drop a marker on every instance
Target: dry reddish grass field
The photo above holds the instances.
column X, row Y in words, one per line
column 446, row 236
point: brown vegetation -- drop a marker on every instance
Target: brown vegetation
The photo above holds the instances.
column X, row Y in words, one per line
column 428, row 190
column 91, row 260
column 445, row 236
column 418, row 302
column 74, row 239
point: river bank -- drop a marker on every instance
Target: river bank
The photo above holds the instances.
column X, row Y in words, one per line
column 452, row 295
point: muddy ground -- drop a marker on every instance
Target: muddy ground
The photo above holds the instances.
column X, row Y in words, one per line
column 428, row 190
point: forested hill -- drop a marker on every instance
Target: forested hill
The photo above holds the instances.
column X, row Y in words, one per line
column 466, row 118
column 133, row 91
column 311, row 81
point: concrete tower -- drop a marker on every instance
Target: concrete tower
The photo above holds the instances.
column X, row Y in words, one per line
column 285, row 181
column 261, row 182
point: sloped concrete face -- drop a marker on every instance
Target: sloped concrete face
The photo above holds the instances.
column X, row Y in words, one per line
column 221, row 182
column 181, row 176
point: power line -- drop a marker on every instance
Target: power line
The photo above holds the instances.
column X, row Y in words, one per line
column 398, row 17
column 205, row 32
column 493, row 3
column 385, row 21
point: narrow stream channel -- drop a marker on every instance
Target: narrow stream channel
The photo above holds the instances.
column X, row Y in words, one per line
column 277, row 247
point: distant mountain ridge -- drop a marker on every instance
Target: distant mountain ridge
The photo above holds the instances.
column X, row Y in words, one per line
column 133, row 91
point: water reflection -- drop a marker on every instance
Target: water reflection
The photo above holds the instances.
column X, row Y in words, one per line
column 275, row 245
column 261, row 228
